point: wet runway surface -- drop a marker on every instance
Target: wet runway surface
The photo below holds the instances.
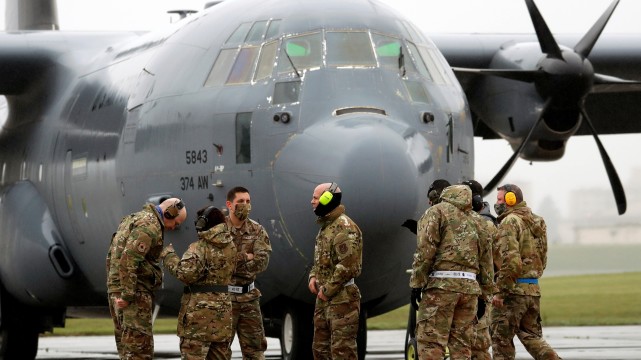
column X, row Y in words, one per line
column 572, row 343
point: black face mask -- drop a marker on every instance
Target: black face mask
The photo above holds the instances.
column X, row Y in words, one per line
column 322, row 210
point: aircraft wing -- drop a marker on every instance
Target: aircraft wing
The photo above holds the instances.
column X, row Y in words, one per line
column 614, row 108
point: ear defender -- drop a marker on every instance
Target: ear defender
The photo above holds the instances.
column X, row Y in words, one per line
column 510, row 198
column 203, row 219
column 173, row 210
column 477, row 202
column 328, row 194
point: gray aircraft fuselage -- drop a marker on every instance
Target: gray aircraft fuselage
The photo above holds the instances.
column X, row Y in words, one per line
column 271, row 95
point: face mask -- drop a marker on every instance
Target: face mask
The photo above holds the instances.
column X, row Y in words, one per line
column 242, row 211
column 500, row 208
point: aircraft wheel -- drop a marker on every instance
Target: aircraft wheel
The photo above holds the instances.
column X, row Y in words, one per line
column 411, row 352
column 297, row 332
column 18, row 340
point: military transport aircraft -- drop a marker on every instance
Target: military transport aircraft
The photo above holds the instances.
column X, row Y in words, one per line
column 276, row 96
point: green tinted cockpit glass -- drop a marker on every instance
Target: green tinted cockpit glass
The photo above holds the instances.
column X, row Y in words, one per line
column 304, row 52
column 388, row 50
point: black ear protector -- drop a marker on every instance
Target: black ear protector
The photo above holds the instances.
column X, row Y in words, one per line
column 477, row 202
column 203, row 219
column 328, row 194
column 173, row 210
column 510, row 198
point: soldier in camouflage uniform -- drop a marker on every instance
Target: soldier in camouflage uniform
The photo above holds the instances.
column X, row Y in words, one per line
column 205, row 317
column 133, row 273
column 254, row 249
column 522, row 244
column 482, row 341
column 337, row 261
column 452, row 249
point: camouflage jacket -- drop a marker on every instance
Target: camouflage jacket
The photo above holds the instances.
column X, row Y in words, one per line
column 452, row 237
column 132, row 261
column 205, row 316
column 250, row 238
column 521, row 241
column 338, row 257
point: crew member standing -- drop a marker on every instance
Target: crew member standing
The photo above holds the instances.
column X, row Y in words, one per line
column 133, row 273
column 254, row 249
column 205, row 316
column 522, row 244
column 337, row 261
column 452, row 249
column 482, row 341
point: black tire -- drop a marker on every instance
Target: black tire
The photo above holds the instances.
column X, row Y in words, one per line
column 297, row 331
column 18, row 339
column 411, row 350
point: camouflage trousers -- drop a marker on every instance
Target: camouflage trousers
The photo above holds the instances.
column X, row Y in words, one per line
column 520, row 316
column 445, row 318
column 116, row 316
column 248, row 324
column 335, row 330
column 191, row 349
column 132, row 327
column 482, row 341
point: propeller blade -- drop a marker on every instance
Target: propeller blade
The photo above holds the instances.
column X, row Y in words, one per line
column 543, row 33
column 601, row 79
column 528, row 76
column 617, row 188
column 508, row 165
column 585, row 45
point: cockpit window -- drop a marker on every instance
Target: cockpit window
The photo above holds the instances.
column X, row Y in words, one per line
column 349, row 48
column 304, row 52
column 220, row 70
column 239, row 35
column 273, row 29
column 411, row 30
column 257, row 32
column 418, row 60
column 266, row 60
column 388, row 50
column 241, row 73
column 434, row 65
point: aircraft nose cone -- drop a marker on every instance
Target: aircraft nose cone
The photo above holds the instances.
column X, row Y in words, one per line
column 381, row 167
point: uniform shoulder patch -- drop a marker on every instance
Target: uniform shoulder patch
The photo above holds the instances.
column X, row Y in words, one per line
column 343, row 249
column 142, row 248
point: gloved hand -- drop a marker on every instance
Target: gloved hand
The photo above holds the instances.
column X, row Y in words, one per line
column 480, row 308
column 416, row 297
column 166, row 251
column 411, row 224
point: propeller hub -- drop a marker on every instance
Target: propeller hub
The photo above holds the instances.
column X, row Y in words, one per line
column 567, row 80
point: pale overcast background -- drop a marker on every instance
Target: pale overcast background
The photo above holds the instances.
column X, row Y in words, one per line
column 580, row 168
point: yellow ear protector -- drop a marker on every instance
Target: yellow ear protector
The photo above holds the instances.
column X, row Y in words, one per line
column 173, row 210
column 510, row 198
column 328, row 194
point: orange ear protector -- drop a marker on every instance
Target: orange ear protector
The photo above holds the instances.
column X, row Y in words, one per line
column 328, row 194
column 510, row 198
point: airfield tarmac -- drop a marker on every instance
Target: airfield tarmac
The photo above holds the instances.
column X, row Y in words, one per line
column 572, row 343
